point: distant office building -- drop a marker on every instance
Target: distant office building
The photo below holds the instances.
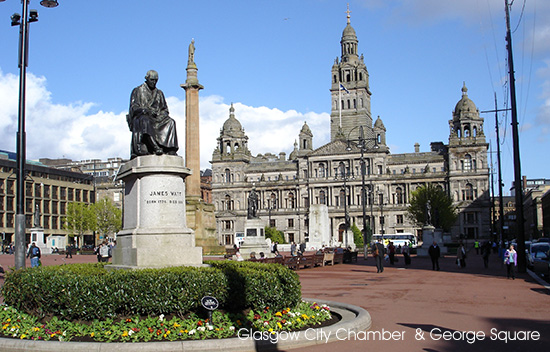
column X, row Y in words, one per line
column 47, row 188
column 331, row 175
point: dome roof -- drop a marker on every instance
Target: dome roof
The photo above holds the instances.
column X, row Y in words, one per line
column 464, row 105
column 232, row 124
column 378, row 123
column 306, row 129
column 349, row 32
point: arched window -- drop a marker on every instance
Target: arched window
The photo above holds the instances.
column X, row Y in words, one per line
column 467, row 162
column 469, row 192
column 291, row 200
column 399, row 195
column 228, row 202
column 322, row 170
column 227, row 176
column 342, row 198
column 228, row 148
column 322, row 197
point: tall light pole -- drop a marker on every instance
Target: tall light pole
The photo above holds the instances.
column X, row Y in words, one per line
column 23, row 22
column 518, row 187
column 345, row 176
column 362, row 145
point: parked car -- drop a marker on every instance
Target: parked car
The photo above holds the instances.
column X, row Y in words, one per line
column 541, row 263
column 534, row 248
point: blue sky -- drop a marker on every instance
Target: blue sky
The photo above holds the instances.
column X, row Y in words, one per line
column 273, row 60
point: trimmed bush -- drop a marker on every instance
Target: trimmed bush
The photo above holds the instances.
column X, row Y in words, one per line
column 260, row 285
column 88, row 291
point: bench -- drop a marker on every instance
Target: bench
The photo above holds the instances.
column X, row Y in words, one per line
column 328, row 258
column 229, row 253
column 292, row 262
column 338, row 258
column 318, row 260
column 350, row 257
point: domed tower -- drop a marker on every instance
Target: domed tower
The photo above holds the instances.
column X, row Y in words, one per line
column 232, row 142
column 468, row 169
column 466, row 125
column 380, row 133
column 350, row 94
column 306, row 138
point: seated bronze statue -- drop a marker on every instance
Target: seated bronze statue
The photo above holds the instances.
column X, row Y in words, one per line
column 153, row 130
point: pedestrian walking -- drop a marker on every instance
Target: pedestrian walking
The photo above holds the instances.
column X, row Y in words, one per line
column 485, row 252
column 461, row 256
column 435, row 252
column 34, row 254
column 511, row 261
column 378, row 254
column 69, row 251
column 406, row 254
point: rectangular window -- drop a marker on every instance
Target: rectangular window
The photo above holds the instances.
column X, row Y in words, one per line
column 399, row 219
column 290, row 223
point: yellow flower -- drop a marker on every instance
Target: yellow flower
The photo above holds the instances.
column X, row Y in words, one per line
column 278, row 314
column 298, row 319
column 270, row 330
column 92, row 334
column 35, row 329
column 23, row 336
column 279, row 325
column 125, row 333
column 176, row 325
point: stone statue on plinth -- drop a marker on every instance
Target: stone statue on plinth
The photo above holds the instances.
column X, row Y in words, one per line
column 153, row 130
column 253, row 205
column 36, row 216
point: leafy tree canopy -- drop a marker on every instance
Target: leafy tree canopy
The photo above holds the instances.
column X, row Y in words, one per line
column 274, row 234
column 442, row 212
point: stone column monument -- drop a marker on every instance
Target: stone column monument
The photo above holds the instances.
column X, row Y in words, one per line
column 200, row 215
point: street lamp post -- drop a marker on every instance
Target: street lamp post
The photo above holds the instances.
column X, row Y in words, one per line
column 23, row 22
column 362, row 145
column 345, row 176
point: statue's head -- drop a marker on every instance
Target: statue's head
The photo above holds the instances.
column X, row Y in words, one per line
column 151, row 78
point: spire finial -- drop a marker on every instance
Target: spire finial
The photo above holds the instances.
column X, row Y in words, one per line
column 464, row 89
column 348, row 12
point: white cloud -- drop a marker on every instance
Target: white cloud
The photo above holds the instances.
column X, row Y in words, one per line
column 73, row 131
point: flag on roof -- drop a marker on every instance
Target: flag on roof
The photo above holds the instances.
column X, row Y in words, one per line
column 343, row 88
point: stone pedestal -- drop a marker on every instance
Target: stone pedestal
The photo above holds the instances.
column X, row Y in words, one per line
column 202, row 220
column 319, row 227
column 155, row 232
column 37, row 236
column 254, row 239
column 429, row 235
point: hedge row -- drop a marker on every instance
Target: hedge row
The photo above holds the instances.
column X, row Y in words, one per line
column 88, row 291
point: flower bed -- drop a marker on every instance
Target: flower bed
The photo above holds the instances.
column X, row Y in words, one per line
column 20, row 325
column 85, row 302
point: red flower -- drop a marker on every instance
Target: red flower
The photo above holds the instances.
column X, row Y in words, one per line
column 199, row 323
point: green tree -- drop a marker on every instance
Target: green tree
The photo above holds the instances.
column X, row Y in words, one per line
column 442, row 211
column 357, row 236
column 107, row 218
column 274, row 234
column 78, row 220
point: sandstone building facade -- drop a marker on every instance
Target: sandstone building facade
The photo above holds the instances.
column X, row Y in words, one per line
column 331, row 174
